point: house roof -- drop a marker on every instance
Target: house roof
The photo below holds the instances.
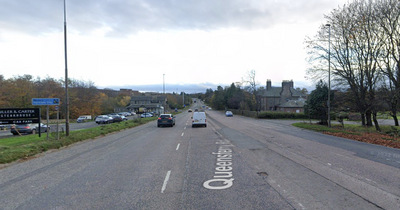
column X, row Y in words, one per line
column 293, row 103
column 276, row 92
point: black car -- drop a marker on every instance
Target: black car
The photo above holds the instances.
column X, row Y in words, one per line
column 31, row 128
column 117, row 118
column 104, row 120
column 166, row 119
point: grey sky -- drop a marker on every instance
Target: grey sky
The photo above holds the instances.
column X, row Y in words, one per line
column 191, row 41
column 130, row 16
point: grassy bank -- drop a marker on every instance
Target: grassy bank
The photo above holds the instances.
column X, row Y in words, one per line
column 23, row 147
column 389, row 136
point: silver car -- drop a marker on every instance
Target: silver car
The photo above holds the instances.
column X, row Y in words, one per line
column 31, row 128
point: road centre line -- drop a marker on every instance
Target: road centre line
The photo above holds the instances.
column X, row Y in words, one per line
column 165, row 182
column 177, row 147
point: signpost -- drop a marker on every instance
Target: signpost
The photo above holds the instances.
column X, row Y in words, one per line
column 28, row 115
column 20, row 115
column 46, row 101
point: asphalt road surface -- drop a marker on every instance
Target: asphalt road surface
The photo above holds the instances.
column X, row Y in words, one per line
column 233, row 163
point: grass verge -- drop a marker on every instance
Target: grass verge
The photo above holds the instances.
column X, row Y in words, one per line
column 389, row 136
column 26, row 146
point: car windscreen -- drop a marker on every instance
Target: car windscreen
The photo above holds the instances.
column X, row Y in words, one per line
column 164, row 116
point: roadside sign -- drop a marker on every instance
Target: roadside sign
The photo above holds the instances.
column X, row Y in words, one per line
column 45, row 101
column 19, row 113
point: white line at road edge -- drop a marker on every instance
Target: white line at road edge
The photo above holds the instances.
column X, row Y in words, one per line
column 165, row 182
column 177, row 147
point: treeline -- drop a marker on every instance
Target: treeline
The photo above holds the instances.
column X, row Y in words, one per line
column 176, row 100
column 360, row 46
column 231, row 97
column 84, row 97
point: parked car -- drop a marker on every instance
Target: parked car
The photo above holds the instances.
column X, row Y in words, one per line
column 228, row 114
column 144, row 115
column 166, row 119
column 104, row 119
column 199, row 119
column 124, row 114
column 31, row 128
column 190, row 110
column 83, row 118
column 117, row 118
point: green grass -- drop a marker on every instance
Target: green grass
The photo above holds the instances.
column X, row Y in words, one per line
column 349, row 128
column 25, row 146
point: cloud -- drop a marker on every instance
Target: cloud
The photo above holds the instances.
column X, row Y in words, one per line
column 124, row 17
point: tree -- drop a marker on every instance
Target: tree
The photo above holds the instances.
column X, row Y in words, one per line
column 217, row 100
column 252, row 87
column 354, row 54
column 316, row 103
column 388, row 19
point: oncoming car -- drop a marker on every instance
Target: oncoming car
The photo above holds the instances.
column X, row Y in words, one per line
column 228, row 114
column 166, row 119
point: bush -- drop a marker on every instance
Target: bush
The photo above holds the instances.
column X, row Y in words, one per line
column 281, row 115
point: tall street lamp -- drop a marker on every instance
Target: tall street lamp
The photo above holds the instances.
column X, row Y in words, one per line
column 329, row 77
column 66, row 75
column 163, row 84
column 164, row 90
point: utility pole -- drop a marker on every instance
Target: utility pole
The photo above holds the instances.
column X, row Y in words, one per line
column 66, row 74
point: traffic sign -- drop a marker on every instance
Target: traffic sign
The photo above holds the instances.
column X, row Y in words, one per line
column 45, row 101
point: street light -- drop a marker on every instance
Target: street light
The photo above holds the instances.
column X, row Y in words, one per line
column 164, row 90
column 329, row 77
column 66, row 75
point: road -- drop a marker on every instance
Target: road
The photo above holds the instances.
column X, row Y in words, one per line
column 233, row 163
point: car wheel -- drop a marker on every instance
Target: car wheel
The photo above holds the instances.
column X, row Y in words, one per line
column 33, row 132
column 205, row 125
column 15, row 134
column 158, row 125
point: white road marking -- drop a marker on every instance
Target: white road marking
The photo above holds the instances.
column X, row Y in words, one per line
column 182, row 134
column 329, row 164
column 165, row 182
column 177, row 147
column 184, row 128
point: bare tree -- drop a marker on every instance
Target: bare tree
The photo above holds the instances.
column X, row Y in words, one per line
column 388, row 19
column 355, row 50
column 250, row 79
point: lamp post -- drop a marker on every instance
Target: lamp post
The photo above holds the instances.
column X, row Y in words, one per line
column 164, row 90
column 66, row 75
column 329, row 77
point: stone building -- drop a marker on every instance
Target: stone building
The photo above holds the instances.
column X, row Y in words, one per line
column 284, row 98
column 153, row 103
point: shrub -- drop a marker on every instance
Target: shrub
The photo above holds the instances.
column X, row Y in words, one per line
column 281, row 115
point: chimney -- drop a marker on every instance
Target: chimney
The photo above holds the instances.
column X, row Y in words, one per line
column 268, row 84
column 287, row 83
